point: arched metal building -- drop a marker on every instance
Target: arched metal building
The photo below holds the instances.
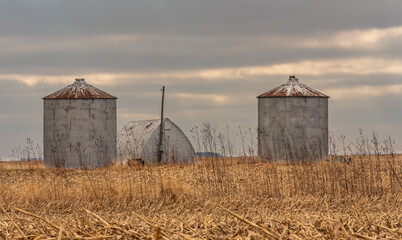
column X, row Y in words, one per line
column 79, row 127
column 293, row 123
column 139, row 140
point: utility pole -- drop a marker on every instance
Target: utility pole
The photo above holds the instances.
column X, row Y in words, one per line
column 162, row 128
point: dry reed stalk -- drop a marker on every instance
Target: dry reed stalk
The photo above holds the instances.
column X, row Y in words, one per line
column 154, row 226
column 9, row 217
column 60, row 234
column 266, row 230
column 285, row 231
column 39, row 237
column 97, row 217
column 158, row 234
column 358, row 235
column 39, row 217
column 307, row 199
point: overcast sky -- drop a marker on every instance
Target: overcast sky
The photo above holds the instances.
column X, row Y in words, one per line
column 214, row 57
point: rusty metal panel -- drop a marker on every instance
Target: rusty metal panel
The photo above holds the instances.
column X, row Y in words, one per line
column 80, row 90
column 292, row 88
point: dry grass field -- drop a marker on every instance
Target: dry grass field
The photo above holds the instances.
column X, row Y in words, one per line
column 217, row 198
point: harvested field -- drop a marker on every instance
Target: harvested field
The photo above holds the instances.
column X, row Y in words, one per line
column 231, row 198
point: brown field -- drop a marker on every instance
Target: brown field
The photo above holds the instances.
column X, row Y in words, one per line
column 220, row 198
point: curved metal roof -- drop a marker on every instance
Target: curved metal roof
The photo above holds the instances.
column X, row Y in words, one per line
column 135, row 135
column 292, row 88
column 80, row 90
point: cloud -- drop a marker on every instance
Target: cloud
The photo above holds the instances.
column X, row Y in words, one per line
column 352, row 66
column 371, row 39
column 214, row 98
column 364, row 91
column 31, row 80
column 362, row 39
column 6, row 116
column 214, row 57
column 127, row 115
column 13, row 44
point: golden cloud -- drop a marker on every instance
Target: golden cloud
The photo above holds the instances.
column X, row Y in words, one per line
column 369, row 39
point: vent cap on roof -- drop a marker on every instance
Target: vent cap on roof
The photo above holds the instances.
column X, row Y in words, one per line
column 292, row 88
column 80, row 80
column 293, row 79
column 80, row 90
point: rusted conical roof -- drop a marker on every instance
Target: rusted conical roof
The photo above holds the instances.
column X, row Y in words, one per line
column 80, row 90
column 292, row 88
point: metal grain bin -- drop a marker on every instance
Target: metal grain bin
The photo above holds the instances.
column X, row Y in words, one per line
column 293, row 123
column 79, row 127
